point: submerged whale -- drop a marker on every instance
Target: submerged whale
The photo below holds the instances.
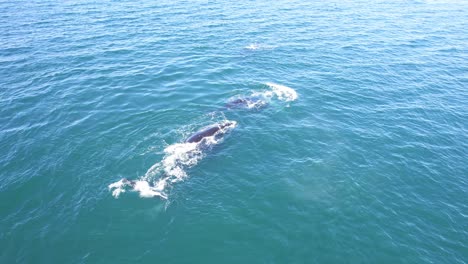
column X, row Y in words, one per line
column 208, row 132
column 246, row 102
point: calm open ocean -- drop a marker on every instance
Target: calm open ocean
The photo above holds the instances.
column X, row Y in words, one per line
column 346, row 136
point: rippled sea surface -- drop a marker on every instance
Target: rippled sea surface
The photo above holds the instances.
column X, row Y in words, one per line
column 369, row 164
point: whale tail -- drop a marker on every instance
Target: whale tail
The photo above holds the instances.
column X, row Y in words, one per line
column 129, row 182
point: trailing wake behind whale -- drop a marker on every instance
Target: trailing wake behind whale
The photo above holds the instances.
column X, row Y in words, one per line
column 260, row 99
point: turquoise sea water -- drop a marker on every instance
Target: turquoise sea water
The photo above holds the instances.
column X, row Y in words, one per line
column 367, row 165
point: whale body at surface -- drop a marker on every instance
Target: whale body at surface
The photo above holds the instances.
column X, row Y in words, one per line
column 208, row 132
column 179, row 156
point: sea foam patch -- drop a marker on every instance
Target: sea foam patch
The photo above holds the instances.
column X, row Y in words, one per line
column 283, row 92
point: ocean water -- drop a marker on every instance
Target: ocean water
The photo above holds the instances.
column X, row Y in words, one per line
column 354, row 148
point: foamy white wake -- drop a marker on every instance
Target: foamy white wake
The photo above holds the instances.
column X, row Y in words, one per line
column 260, row 99
column 283, row 93
column 171, row 169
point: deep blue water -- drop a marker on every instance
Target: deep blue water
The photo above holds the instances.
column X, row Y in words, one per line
column 367, row 165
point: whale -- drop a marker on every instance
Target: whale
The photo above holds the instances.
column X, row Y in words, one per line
column 215, row 130
column 246, row 102
column 208, row 132
column 237, row 103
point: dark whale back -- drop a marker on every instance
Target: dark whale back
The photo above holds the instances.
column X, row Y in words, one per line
column 208, row 132
column 239, row 102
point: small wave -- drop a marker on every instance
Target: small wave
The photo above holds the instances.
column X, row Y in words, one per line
column 172, row 168
column 253, row 46
column 257, row 46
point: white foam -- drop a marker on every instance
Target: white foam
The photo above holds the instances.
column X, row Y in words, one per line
column 283, row 92
column 171, row 169
column 178, row 156
column 119, row 188
column 256, row 104
column 147, row 191
column 259, row 99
